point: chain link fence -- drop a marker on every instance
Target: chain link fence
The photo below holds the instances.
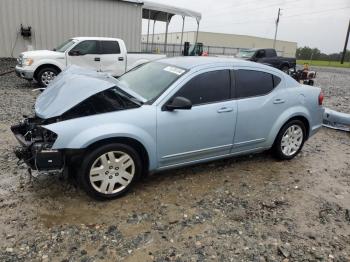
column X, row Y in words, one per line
column 176, row 50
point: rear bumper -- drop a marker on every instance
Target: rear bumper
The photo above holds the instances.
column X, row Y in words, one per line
column 26, row 74
column 336, row 120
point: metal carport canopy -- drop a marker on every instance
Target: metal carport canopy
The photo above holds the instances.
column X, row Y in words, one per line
column 159, row 11
column 164, row 13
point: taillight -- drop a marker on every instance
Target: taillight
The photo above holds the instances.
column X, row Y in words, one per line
column 320, row 98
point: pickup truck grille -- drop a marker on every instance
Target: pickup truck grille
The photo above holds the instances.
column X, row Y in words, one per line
column 20, row 61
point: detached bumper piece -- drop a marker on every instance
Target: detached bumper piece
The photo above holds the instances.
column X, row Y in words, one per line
column 336, row 120
column 36, row 147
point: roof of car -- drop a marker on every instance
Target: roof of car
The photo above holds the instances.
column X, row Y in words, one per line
column 196, row 61
column 80, row 38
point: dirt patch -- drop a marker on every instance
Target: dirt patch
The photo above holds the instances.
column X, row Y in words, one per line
column 250, row 208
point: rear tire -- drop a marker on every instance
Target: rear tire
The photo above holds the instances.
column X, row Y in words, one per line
column 46, row 75
column 109, row 171
column 290, row 140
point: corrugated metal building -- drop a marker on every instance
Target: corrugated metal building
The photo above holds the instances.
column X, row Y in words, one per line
column 285, row 48
column 54, row 21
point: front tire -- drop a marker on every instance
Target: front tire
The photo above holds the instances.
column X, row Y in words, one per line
column 46, row 75
column 290, row 140
column 109, row 171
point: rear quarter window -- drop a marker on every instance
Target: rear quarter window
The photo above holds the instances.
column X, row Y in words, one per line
column 250, row 83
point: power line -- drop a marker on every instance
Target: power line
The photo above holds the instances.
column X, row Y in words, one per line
column 258, row 8
column 285, row 17
column 319, row 12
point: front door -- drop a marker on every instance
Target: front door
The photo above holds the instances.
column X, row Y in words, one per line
column 85, row 54
column 206, row 130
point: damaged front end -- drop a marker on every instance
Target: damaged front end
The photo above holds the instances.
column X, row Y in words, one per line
column 74, row 94
column 36, row 145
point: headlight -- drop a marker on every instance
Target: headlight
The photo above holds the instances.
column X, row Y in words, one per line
column 27, row 61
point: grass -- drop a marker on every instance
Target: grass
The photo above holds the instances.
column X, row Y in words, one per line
column 324, row 63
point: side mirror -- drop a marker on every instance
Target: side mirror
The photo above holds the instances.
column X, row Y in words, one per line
column 74, row 53
column 179, row 103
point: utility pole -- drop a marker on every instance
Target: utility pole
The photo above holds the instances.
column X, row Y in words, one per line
column 346, row 44
column 277, row 22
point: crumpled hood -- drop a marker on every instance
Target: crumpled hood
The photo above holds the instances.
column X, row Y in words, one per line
column 71, row 87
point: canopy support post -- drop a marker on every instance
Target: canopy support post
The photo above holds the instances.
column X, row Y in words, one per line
column 154, row 25
column 182, row 31
column 197, row 32
column 149, row 20
column 166, row 32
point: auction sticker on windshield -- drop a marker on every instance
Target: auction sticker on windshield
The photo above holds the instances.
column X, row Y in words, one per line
column 174, row 70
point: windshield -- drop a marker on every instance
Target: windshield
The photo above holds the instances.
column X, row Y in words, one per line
column 63, row 47
column 246, row 53
column 151, row 79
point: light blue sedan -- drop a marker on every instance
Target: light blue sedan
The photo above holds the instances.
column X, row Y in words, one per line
column 165, row 114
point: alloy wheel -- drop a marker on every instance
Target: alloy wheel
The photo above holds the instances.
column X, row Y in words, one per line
column 292, row 140
column 47, row 77
column 112, row 172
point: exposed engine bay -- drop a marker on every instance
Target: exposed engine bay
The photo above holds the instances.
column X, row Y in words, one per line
column 36, row 145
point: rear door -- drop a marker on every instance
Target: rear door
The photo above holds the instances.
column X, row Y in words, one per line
column 112, row 59
column 85, row 54
column 261, row 98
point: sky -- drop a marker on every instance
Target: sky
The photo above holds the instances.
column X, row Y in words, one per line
column 315, row 23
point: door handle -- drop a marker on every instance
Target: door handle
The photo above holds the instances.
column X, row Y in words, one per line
column 121, row 58
column 97, row 59
column 279, row 101
column 225, row 110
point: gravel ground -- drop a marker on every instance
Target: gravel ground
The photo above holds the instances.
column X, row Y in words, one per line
column 251, row 208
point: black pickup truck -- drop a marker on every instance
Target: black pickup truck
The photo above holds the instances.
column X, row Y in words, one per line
column 267, row 56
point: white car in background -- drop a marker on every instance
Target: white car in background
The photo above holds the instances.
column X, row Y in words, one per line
column 102, row 54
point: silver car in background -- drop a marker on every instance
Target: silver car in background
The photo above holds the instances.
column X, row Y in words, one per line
column 165, row 114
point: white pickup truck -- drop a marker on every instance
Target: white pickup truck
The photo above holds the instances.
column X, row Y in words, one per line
column 102, row 54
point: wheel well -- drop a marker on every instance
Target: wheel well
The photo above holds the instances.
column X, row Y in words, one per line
column 45, row 66
column 305, row 122
column 139, row 147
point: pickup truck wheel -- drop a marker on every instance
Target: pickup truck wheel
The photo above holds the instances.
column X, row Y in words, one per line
column 110, row 171
column 290, row 140
column 46, row 75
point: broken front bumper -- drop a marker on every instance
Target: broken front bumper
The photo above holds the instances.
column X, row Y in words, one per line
column 336, row 120
column 35, row 147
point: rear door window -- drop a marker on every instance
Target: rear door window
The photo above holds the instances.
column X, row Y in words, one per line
column 208, row 87
column 250, row 83
column 110, row 47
